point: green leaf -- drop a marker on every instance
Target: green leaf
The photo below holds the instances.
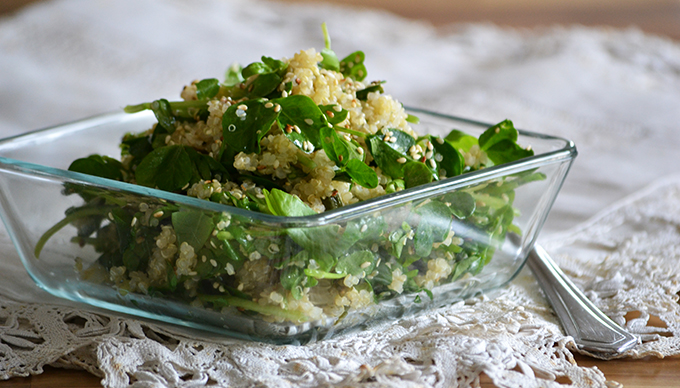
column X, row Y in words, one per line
column 501, row 132
column 333, row 116
column 506, row 151
column 387, row 155
column 243, row 129
column 352, row 66
column 412, row 119
column 434, row 225
column 461, row 140
column 207, row 88
column 416, row 174
column 281, row 203
column 168, row 168
column 362, row 174
column 300, row 111
column 233, row 75
column 461, row 204
column 98, row 165
column 373, row 88
column 355, row 263
column 193, row 227
column 163, row 112
column 330, row 60
column 450, row 159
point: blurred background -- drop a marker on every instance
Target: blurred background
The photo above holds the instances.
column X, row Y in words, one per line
column 661, row 17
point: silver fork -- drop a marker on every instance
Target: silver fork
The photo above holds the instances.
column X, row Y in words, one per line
column 593, row 332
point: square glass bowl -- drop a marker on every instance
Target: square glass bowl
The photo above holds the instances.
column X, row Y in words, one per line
column 263, row 277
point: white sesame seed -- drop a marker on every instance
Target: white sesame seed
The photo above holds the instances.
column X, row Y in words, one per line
column 433, row 163
column 360, row 150
column 203, row 258
column 309, row 121
column 365, row 265
column 364, row 228
column 242, row 107
column 230, row 269
column 213, row 262
column 158, row 214
column 393, row 139
column 221, row 289
column 439, row 157
column 337, row 108
column 297, row 129
column 284, row 94
column 254, row 256
column 110, row 216
column 497, row 130
column 240, row 113
column 134, row 221
column 216, row 285
column 401, row 160
column 277, row 108
column 428, row 155
column 439, row 140
column 430, row 146
column 268, row 105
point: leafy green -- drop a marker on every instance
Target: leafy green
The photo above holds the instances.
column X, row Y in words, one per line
column 500, row 143
column 375, row 87
column 168, row 168
column 352, row 66
column 193, row 227
column 242, row 129
column 300, row 111
column 97, row 165
column 207, row 88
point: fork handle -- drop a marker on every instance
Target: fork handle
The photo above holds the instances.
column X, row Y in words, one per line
column 580, row 318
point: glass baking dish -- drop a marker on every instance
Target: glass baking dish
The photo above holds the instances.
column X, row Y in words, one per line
column 272, row 278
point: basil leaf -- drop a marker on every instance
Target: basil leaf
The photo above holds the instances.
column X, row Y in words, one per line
column 242, row 130
column 168, row 168
column 98, row 165
column 352, row 66
column 207, row 88
column 300, row 111
column 362, row 174
column 192, row 227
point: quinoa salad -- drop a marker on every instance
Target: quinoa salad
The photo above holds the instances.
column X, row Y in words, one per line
column 290, row 137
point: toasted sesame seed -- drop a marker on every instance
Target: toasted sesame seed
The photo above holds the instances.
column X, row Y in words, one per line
column 330, row 114
column 298, row 81
column 401, row 160
column 340, row 157
column 497, row 130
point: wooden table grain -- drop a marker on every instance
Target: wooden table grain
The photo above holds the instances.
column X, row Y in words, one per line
column 660, row 17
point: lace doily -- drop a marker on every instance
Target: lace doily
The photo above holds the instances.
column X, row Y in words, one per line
column 615, row 93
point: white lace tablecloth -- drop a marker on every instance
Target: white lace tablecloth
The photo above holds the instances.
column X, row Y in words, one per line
column 615, row 93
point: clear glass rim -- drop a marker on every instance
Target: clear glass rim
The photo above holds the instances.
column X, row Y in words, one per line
column 362, row 208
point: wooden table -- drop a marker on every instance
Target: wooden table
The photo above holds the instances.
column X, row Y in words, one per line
column 661, row 17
